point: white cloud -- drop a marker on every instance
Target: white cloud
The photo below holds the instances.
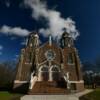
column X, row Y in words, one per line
column 1, row 47
column 8, row 30
column 55, row 22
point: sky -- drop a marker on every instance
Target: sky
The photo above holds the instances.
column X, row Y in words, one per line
column 18, row 18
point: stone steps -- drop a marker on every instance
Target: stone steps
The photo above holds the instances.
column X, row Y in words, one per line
column 47, row 88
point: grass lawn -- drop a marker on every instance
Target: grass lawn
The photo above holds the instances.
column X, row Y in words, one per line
column 4, row 95
column 95, row 95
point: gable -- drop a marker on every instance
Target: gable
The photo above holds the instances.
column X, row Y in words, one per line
column 54, row 49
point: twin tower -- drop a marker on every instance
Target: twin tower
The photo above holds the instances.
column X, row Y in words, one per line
column 49, row 68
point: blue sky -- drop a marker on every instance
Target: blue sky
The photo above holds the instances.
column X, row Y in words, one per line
column 86, row 14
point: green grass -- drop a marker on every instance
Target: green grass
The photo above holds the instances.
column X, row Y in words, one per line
column 95, row 95
column 9, row 96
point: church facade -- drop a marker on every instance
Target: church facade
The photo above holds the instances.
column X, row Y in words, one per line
column 49, row 68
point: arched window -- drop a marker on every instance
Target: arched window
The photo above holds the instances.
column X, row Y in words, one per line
column 44, row 69
column 70, row 59
column 43, row 73
column 54, row 73
column 55, row 69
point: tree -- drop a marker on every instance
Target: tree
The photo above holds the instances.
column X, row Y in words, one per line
column 97, row 64
column 7, row 73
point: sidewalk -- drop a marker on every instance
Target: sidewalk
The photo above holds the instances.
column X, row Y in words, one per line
column 56, row 97
column 86, row 91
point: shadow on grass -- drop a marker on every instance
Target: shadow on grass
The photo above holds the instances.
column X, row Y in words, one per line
column 8, row 93
column 23, row 89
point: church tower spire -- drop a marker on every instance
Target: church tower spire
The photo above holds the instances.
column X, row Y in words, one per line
column 33, row 40
column 66, row 40
column 36, row 40
column 50, row 40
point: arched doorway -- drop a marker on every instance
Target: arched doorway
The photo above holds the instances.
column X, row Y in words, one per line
column 54, row 73
column 43, row 73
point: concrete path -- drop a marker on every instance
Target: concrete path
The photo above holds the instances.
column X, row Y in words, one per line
column 86, row 91
column 74, row 96
column 49, row 97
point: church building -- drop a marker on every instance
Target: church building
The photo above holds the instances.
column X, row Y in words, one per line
column 50, row 68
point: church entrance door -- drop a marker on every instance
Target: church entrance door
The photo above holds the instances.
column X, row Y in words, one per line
column 43, row 73
column 55, row 73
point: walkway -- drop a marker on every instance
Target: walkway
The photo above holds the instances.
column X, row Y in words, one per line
column 56, row 97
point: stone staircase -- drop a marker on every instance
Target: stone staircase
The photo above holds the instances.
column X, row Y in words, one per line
column 46, row 87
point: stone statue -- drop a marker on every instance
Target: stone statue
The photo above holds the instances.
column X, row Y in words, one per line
column 66, row 77
column 32, row 80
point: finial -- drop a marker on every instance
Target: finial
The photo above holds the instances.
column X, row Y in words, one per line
column 64, row 29
column 50, row 40
column 36, row 35
column 65, row 33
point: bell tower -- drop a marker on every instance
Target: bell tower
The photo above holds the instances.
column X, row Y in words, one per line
column 33, row 40
column 66, row 40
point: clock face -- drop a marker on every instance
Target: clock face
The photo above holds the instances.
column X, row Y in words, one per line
column 50, row 55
